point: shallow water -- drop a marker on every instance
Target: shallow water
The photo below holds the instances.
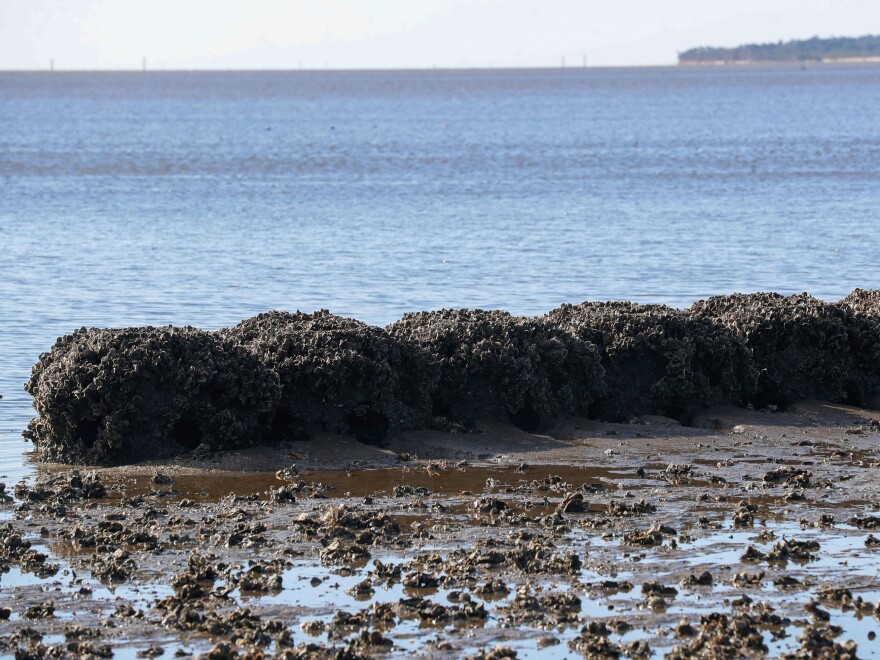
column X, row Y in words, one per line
column 203, row 198
column 842, row 557
column 362, row 483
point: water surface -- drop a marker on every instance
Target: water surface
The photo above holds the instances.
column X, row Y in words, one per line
column 203, row 198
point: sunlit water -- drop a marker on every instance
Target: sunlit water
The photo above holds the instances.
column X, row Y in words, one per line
column 203, row 198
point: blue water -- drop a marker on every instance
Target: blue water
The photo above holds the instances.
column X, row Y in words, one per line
column 203, row 198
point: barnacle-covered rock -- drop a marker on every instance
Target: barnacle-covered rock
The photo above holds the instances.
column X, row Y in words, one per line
column 800, row 344
column 112, row 396
column 863, row 301
column 863, row 329
column 339, row 374
column 659, row 360
column 493, row 364
column 121, row 395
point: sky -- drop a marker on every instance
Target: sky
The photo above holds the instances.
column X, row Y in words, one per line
column 370, row 34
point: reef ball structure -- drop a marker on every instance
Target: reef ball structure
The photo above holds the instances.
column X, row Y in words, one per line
column 659, row 360
column 493, row 364
column 338, row 374
column 119, row 396
column 800, row 344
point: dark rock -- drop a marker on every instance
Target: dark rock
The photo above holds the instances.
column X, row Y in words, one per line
column 720, row 636
column 497, row 365
column 421, row 580
column 704, row 579
column 863, row 301
column 800, row 344
column 124, row 395
column 592, row 644
column 792, row 549
column 118, row 396
column 489, row 505
column 42, row 610
column 863, row 329
column 339, row 374
column 659, row 360
column 658, row 589
column 817, row 641
column 865, row 522
column 574, row 503
column 499, row 652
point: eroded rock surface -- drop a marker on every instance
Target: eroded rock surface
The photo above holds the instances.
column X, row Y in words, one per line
column 118, row 396
column 659, row 360
column 495, row 364
column 863, row 327
column 111, row 396
column 801, row 345
column 339, row 374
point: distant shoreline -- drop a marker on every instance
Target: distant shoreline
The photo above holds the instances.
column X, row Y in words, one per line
column 672, row 66
column 842, row 50
column 781, row 63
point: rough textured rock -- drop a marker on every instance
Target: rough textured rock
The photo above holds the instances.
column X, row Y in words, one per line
column 863, row 301
column 863, row 329
column 495, row 364
column 339, row 374
column 118, row 396
column 800, row 344
column 659, row 360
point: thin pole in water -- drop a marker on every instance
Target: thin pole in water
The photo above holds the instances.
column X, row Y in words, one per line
column 51, row 64
column 144, row 64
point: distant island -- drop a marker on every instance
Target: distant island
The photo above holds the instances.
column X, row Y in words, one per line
column 835, row 49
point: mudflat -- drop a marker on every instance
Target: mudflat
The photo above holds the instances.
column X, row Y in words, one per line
column 748, row 533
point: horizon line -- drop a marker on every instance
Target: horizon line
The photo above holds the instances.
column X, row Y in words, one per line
column 598, row 67
column 556, row 67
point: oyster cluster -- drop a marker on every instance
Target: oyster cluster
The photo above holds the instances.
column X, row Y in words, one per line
column 111, row 396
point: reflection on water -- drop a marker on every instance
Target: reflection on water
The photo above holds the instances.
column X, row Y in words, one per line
column 446, row 480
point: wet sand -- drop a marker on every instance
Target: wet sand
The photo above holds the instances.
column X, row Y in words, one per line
column 747, row 534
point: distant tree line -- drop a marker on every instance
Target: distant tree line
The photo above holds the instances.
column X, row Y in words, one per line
column 799, row 50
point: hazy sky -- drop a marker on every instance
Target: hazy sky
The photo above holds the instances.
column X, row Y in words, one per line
column 244, row 34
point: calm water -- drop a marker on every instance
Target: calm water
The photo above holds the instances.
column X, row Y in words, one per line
column 205, row 198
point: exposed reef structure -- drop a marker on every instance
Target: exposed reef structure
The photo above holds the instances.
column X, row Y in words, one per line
column 340, row 375
column 493, row 364
column 659, row 360
column 120, row 396
column 800, row 344
column 863, row 301
column 863, row 327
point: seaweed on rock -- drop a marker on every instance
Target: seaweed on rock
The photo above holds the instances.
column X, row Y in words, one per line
column 659, row 360
column 800, row 344
column 340, row 375
column 495, row 364
column 113, row 396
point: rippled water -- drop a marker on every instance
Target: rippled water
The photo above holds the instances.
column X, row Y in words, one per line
column 203, row 198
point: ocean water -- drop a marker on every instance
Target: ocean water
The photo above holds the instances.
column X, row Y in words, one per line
column 204, row 198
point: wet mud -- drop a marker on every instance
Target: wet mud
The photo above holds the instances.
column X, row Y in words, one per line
column 747, row 534
column 113, row 397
